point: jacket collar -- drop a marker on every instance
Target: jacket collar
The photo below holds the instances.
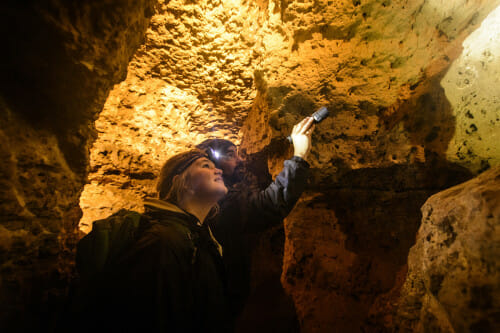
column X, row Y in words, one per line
column 153, row 204
column 157, row 204
column 163, row 205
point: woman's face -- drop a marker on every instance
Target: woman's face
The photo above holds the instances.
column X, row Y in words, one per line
column 205, row 180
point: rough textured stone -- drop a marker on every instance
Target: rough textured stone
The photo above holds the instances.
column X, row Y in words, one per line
column 59, row 60
column 346, row 248
column 471, row 86
column 190, row 80
column 208, row 66
column 246, row 71
column 365, row 60
column 37, row 231
column 453, row 269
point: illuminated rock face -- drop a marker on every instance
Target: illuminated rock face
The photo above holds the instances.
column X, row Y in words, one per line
column 191, row 79
column 207, row 66
column 246, row 71
column 453, row 273
column 471, row 86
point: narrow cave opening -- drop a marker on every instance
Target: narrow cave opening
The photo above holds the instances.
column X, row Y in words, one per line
column 403, row 183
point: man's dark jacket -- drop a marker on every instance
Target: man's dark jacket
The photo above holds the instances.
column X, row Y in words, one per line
column 246, row 210
column 171, row 280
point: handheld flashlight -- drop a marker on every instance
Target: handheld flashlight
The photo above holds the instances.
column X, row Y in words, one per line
column 318, row 117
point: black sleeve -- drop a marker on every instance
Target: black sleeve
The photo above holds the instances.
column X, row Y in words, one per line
column 278, row 199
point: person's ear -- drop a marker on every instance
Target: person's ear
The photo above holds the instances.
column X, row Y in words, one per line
column 186, row 185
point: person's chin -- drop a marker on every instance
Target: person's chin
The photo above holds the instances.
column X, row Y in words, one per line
column 237, row 176
column 220, row 194
column 225, row 189
column 221, row 190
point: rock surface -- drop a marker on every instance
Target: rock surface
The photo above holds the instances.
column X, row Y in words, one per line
column 471, row 86
column 346, row 248
column 453, row 269
column 37, row 230
column 191, row 79
column 250, row 70
column 59, row 60
column 246, row 71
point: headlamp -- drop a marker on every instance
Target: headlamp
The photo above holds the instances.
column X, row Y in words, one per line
column 215, row 153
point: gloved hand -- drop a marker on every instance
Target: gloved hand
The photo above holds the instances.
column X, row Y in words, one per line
column 301, row 136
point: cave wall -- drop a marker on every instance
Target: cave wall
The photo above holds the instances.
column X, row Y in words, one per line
column 471, row 86
column 246, row 71
column 375, row 160
column 453, row 269
column 190, row 80
column 59, row 61
column 346, row 247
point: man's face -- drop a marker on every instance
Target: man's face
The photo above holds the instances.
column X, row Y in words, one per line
column 229, row 161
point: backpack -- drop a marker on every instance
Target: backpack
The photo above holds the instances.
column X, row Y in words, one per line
column 107, row 240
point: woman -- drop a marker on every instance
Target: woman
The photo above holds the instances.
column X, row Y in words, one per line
column 172, row 278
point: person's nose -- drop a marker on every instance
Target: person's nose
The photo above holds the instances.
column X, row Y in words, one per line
column 218, row 171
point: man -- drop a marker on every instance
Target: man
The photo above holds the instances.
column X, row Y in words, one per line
column 244, row 210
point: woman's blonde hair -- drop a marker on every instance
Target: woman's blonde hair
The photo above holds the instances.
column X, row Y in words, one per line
column 180, row 184
column 171, row 186
column 173, row 167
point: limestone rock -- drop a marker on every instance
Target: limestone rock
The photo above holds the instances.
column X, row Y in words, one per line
column 471, row 86
column 190, row 80
column 248, row 71
column 346, row 248
column 453, row 281
column 361, row 59
column 59, row 60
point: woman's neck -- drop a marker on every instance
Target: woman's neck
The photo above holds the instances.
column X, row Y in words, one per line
column 196, row 208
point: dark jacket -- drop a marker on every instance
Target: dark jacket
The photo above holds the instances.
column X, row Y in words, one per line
column 171, row 280
column 245, row 210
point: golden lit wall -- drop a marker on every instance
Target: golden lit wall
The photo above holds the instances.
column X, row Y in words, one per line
column 203, row 65
column 248, row 71
column 191, row 80
column 100, row 93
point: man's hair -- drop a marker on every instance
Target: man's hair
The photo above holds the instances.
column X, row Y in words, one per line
column 210, row 146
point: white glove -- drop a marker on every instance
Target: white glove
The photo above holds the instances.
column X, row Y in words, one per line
column 301, row 136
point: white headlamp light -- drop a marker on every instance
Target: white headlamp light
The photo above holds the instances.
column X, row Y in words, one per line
column 215, row 153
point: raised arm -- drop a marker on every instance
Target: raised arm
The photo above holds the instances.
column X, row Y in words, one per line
column 278, row 199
